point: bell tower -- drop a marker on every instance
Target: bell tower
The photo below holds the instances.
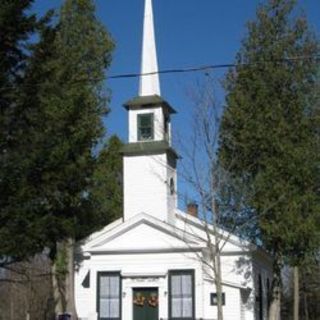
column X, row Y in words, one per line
column 149, row 161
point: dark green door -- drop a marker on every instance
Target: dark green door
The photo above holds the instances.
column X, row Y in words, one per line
column 145, row 304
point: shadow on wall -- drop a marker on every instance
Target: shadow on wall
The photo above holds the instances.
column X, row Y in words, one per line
column 243, row 267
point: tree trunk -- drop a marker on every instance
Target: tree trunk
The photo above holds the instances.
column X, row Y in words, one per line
column 215, row 257
column 219, row 286
column 274, row 310
column 306, row 307
column 11, row 305
column 296, row 300
column 304, row 294
column 57, row 283
column 63, row 278
column 70, row 296
column 216, row 260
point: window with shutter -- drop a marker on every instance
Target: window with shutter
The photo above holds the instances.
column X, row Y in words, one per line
column 181, row 295
column 109, row 297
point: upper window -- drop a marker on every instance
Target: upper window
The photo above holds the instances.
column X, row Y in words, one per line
column 109, row 299
column 145, row 126
column 172, row 187
column 166, row 127
column 181, row 294
column 214, row 299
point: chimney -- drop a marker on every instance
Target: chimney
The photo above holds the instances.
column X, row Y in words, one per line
column 192, row 209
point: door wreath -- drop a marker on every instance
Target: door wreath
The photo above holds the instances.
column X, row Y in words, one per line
column 153, row 300
column 139, row 299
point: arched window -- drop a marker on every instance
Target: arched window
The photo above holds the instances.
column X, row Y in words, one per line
column 172, row 186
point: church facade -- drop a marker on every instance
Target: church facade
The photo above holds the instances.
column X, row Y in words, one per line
column 153, row 262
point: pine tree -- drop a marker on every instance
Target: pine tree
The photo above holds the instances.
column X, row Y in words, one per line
column 71, row 106
column 57, row 124
column 106, row 192
column 268, row 135
column 66, row 130
column 16, row 28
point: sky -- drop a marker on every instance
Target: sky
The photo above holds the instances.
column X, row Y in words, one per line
column 189, row 33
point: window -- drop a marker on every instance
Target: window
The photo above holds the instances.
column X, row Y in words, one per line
column 214, row 299
column 109, row 288
column 166, row 127
column 172, row 186
column 268, row 296
column 145, row 126
column 181, row 294
column 259, row 298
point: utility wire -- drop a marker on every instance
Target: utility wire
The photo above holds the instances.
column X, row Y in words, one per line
column 212, row 67
column 315, row 58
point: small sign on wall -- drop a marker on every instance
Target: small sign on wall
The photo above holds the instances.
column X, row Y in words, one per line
column 214, row 299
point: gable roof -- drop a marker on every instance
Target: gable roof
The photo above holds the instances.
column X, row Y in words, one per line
column 199, row 224
column 245, row 245
column 187, row 235
column 119, row 238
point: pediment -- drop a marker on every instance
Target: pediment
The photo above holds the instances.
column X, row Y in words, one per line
column 142, row 233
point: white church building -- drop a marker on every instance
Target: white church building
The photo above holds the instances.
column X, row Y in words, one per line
column 151, row 264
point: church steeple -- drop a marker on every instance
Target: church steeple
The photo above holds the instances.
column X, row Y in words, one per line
column 149, row 162
column 149, row 84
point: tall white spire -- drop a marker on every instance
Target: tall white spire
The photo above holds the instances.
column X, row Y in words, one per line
column 150, row 84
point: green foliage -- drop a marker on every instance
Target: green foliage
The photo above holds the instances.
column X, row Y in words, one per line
column 58, row 122
column 16, row 26
column 270, row 130
column 106, row 192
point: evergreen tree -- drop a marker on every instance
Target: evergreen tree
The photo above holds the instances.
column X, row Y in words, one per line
column 69, row 124
column 64, row 114
column 59, row 122
column 16, row 27
column 269, row 133
column 57, row 117
column 106, row 193
column 72, row 102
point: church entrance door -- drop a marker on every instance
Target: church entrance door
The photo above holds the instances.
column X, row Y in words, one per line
column 145, row 304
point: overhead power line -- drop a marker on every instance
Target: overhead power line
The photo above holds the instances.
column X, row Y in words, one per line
column 212, row 67
column 207, row 68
